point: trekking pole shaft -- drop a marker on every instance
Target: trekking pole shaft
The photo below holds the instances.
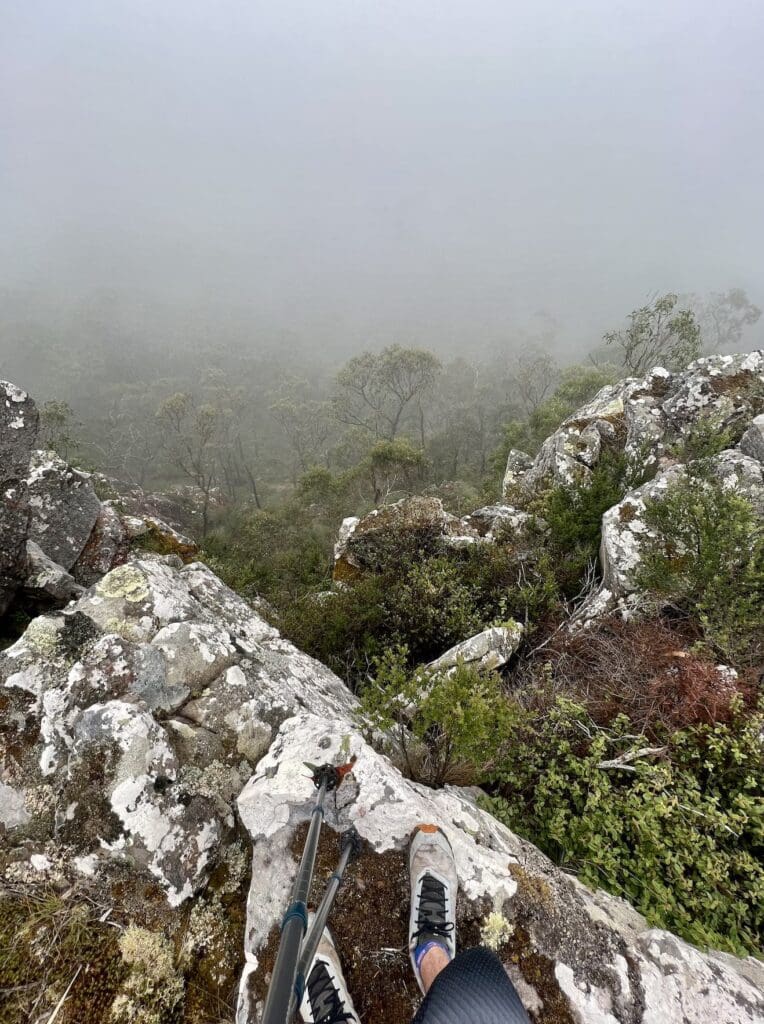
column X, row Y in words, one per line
column 316, row 929
column 294, row 926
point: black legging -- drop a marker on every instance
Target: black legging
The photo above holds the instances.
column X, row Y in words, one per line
column 473, row 989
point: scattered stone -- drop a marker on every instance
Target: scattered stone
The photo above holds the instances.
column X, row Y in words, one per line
column 490, row 649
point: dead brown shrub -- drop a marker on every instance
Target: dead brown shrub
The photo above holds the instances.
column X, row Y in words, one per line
column 647, row 670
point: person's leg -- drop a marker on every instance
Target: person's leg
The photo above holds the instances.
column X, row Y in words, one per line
column 326, row 999
column 471, row 988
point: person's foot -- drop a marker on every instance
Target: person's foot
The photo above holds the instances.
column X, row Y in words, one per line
column 434, row 885
column 326, row 999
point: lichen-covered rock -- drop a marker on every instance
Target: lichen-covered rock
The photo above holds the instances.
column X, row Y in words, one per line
column 140, row 710
column 64, row 507
column 725, row 389
column 593, row 958
column 742, row 474
column 361, row 542
column 625, row 532
column 18, row 433
column 46, row 576
column 643, row 417
column 518, row 464
column 752, row 441
column 106, row 547
column 505, row 521
column 490, row 649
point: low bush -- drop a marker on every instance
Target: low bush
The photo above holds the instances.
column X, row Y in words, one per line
column 705, row 553
column 676, row 830
column 446, row 726
column 424, row 601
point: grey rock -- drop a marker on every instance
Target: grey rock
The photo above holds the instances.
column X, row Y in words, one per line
column 13, row 810
column 518, row 464
column 752, row 441
column 490, row 649
column 194, row 653
column 87, row 694
column 105, row 548
column 607, row 965
column 64, row 508
column 18, row 433
column 47, row 577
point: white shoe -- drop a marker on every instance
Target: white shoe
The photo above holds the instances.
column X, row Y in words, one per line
column 434, row 885
column 326, row 999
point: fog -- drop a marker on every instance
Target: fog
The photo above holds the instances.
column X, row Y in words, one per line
column 354, row 174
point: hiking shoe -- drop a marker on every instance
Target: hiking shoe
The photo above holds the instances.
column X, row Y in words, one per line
column 433, row 893
column 326, row 999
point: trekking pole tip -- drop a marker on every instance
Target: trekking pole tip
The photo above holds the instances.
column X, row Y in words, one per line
column 351, row 839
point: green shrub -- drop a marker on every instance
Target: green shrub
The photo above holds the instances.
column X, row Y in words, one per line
column 574, row 514
column 679, row 832
column 707, row 555
column 447, row 726
column 277, row 554
column 422, row 600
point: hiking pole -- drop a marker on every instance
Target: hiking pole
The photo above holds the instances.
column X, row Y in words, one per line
column 350, row 847
column 295, row 922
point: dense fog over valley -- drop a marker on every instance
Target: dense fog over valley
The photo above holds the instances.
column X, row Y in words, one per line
column 351, row 175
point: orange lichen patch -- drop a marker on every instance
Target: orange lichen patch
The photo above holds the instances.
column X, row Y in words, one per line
column 165, row 541
column 345, row 572
column 627, row 512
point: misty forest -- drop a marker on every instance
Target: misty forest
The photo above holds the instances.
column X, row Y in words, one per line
column 358, row 408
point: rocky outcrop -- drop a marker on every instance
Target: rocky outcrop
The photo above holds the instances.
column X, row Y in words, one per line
column 158, row 712
column 362, row 544
column 56, row 535
column 136, row 716
column 644, row 416
column 574, row 954
column 64, row 506
column 625, row 533
column 143, row 720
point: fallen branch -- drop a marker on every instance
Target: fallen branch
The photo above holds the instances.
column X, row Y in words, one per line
column 632, row 755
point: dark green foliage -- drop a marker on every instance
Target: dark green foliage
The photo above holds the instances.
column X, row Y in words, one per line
column 707, row 556
column 702, row 441
column 574, row 515
column 677, row 831
column 446, row 727
column 420, row 599
column 278, row 554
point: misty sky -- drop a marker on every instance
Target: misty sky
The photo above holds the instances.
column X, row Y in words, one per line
column 399, row 170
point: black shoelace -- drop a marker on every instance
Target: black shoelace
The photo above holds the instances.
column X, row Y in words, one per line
column 325, row 1000
column 431, row 916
